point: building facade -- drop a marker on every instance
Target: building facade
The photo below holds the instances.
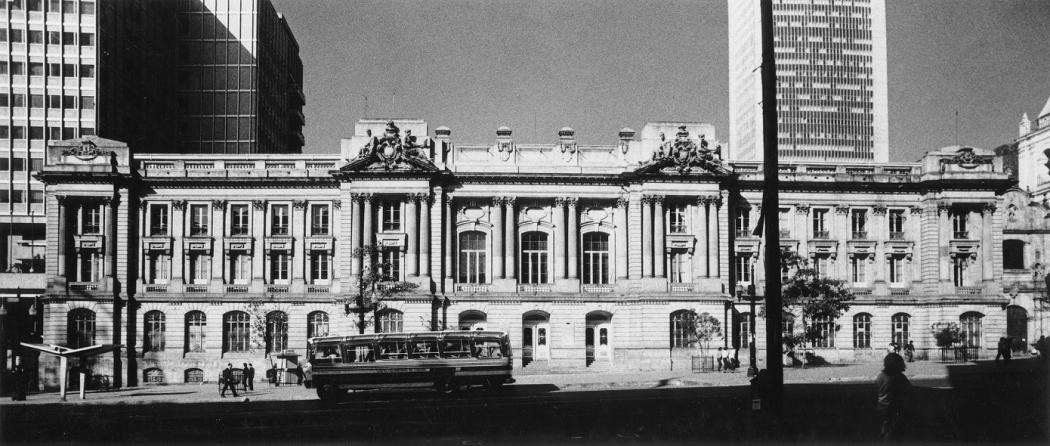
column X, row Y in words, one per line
column 831, row 81
column 589, row 256
column 1033, row 144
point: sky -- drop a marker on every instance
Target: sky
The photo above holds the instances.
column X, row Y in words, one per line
column 601, row 65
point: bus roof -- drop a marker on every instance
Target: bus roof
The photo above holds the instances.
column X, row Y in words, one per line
column 407, row 334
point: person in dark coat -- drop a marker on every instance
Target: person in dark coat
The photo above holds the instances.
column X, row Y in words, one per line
column 893, row 389
column 249, row 376
column 1003, row 350
column 298, row 374
column 228, row 382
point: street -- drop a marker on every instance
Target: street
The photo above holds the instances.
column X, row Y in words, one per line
column 1002, row 404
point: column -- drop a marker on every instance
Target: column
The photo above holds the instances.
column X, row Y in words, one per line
column 218, row 230
column 843, row 233
column 510, row 238
column 559, row 238
column 424, row 237
column 713, row 269
column 660, row 233
column 412, row 228
column 63, row 227
column 700, row 259
column 355, row 233
column 573, row 238
column 945, row 234
column 621, row 238
column 110, row 231
column 879, row 232
column 987, row 264
column 258, row 233
column 647, row 236
column 496, row 218
column 299, row 222
column 178, row 225
column 450, row 222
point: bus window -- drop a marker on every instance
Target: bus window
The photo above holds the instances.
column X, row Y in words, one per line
column 455, row 347
column 393, row 349
column 360, row 351
column 424, row 348
column 487, row 348
column 327, row 353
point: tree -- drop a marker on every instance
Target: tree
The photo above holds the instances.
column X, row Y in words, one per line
column 805, row 293
column 946, row 333
column 373, row 286
column 706, row 328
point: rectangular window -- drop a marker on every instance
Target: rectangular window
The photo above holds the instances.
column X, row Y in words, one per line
column 279, row 219
column 239, row 219
column 680, row 266
column 54, row 101
column 54, row 38
column 36, row 101
column 35, row 5
column 86, row 102
column 196, row 322
column 54, row 133
column 859, row 269
column 69, row 38
column 36, row 132
column 896, row 223
column 91, row 219
column 820, row 229
column 69, row 70
column 743, row 222
column 959, row 271
column 158, row 219
column 18, row 164
column 160, row 268
column 825, row 328
column 5, row 132
column 18, row 196
column 743, row 268
column 241, row 268
column 821, row 265
column 198, row 219
column 391, row 216
column 36, row 69
column 959, row 227
column 859, row 223
column 596, row 258
column 534, row 257
column 862, row 331
column 784, row 222
column 89, row 266
column 87, row 7
column 18, row 68
column 677, row 219
column 87, row 39
column 4, row 68
column 17, row 35
column 390, row 259
column 279, row 263
column 319, row 267
column 18, row 99
column 895, row 269
column 472, row 261
column 36, row 196
column 87, row 71
column 36, row 36
column 200, row 268
column 319, row 218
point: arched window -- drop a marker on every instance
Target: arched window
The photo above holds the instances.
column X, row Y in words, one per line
column 534, row 257
column 862, row 331
column 901, row 326
column 236, row 334
column 595, row 258
column 472, row 262
column 196, row 322
column 970, row 326
column 153, row 376
column 683, row 328
column 316, row 324
column 391, row 321
column 824, row 326
column 472, row 319
column 276, row 332
column 194, row 376
column 81, row 329
column 153, row 332
column 1013, row 254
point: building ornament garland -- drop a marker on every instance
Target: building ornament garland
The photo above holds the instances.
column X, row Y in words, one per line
column 802, row 209
column 842, row 209
column 916, row 210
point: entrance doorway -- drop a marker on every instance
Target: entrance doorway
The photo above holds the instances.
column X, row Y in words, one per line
column 535, row 337
column 1017, row 327
column 598, row 337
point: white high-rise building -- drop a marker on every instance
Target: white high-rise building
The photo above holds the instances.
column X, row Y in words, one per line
column 831, row 72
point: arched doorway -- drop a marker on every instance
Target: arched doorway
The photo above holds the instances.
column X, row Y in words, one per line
column 599, row 337
column 473, row 320
column 1017, row 327
column 535, row 337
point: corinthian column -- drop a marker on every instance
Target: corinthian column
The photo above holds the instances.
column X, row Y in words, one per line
column 987, row 264
column 621, row 238
column 701, row 257
column 510, row 237
column 412, row 226
column 559, row 238
column 450, row 221
column 573, row 238
column 424, row 236
column 496, row 218
column 647, row 236
column 355, row 233
column 659, row 234
column 178, row 219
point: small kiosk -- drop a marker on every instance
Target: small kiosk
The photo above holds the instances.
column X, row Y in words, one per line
column 287, row 363
column 64, row 353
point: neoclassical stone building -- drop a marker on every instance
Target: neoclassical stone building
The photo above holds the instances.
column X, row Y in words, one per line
column 590, row 256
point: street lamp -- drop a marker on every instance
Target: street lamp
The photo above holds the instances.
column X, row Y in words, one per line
column 752, row 369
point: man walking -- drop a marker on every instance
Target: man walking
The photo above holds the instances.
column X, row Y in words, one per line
column 249, row 374
column 227, row 381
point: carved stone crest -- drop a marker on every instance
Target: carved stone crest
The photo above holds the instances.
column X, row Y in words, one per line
column 684, row 154
column 391, row 148
column 86, row 151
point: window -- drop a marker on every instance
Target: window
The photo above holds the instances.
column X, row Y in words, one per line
column 236, row 332
column 391, row 215
column 198, row 219
column 862, row 331
column 69, row 102
column 36, row 132
column 970, row 326
column 683, row 329
column 69, row 70
column 319, row 216
column 279, row 262
column 820, row 230
column 35, row 5
column 743, row 222
column 194, row 376
column 472, row 262
column 677, row 219
column 196, row 322
column 159, row 267
column 200, row 268
column 959, row 230
column 596, row 258
column 37, row 69
column 36, row 36
column 895, row 267
column 959, row 266
column 900, row 323
column 4, row 68
column 18, row 69
column 316, row 324
column 784, row 222
column 153, row 332
column 92, row 219
column 86, row 102
column 896, row 218
column 534, row 257
column 319, row 267
column 859, row 223
column 1013, row 254
column 54, row 101
column 279, row 219
column 821, row 265
column 276, row 332
column 18, row 100
column 87, row 39
column 743, row 267
column 17, row 35
column 81, row 329
column 91, row 259
column 239, row 219
column 158, row 219
column 744, row 330
column 826, row 328
column 87, row 71
column 36, row 100
column 54, row 38
column 87, row 7
column 241, row 267
column 859, row 268
column 680, row 270
column 390, row 263
column 391, row 321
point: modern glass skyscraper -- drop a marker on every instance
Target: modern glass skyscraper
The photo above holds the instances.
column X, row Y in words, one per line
column 831, row 80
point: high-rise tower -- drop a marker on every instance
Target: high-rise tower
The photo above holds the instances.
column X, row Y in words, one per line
column 831, row 80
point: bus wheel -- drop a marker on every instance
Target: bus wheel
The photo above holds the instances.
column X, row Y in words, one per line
column 327, row 393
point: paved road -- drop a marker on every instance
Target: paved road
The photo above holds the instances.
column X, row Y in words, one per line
column 970, row 403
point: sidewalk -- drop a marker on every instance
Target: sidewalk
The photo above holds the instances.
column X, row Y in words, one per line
column 565, row 382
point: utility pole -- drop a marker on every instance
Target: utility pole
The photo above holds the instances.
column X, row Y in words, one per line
column 770, row 215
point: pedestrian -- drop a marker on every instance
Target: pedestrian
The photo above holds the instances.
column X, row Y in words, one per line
column 909, row 351
column 736, row 358
column 18, row 376
column 249, row 375
column 726, row 363
column 718, row 359
column 893, row 389
column 274, row 379
column 298, row 374
column 892, row 348
column 228, row 381
column 308, row 374
column 1040, row 347
column 1003, row 351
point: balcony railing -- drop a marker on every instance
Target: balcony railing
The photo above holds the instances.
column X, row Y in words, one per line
column 962, row 235
column 861, row 291
column 899, row 291
column 279, row 230
column 319, row 230
column 597, row 288
column 821, row 235
column 83, row 286
column 743, row 233
column 236, row 288
column 678, row 228
column 198, row 231
column 860, row 235
column 680, row 287
column 472, row 288
column 277, row 289
column 156, row 288
column 318, row 289
column 895, row 235
column 196, row 288
column 534, row 288
column 970, row 290
column 158, row 230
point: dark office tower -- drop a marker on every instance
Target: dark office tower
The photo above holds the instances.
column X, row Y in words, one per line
column 239, row 79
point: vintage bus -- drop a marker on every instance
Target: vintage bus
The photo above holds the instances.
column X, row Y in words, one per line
column 443, row 360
